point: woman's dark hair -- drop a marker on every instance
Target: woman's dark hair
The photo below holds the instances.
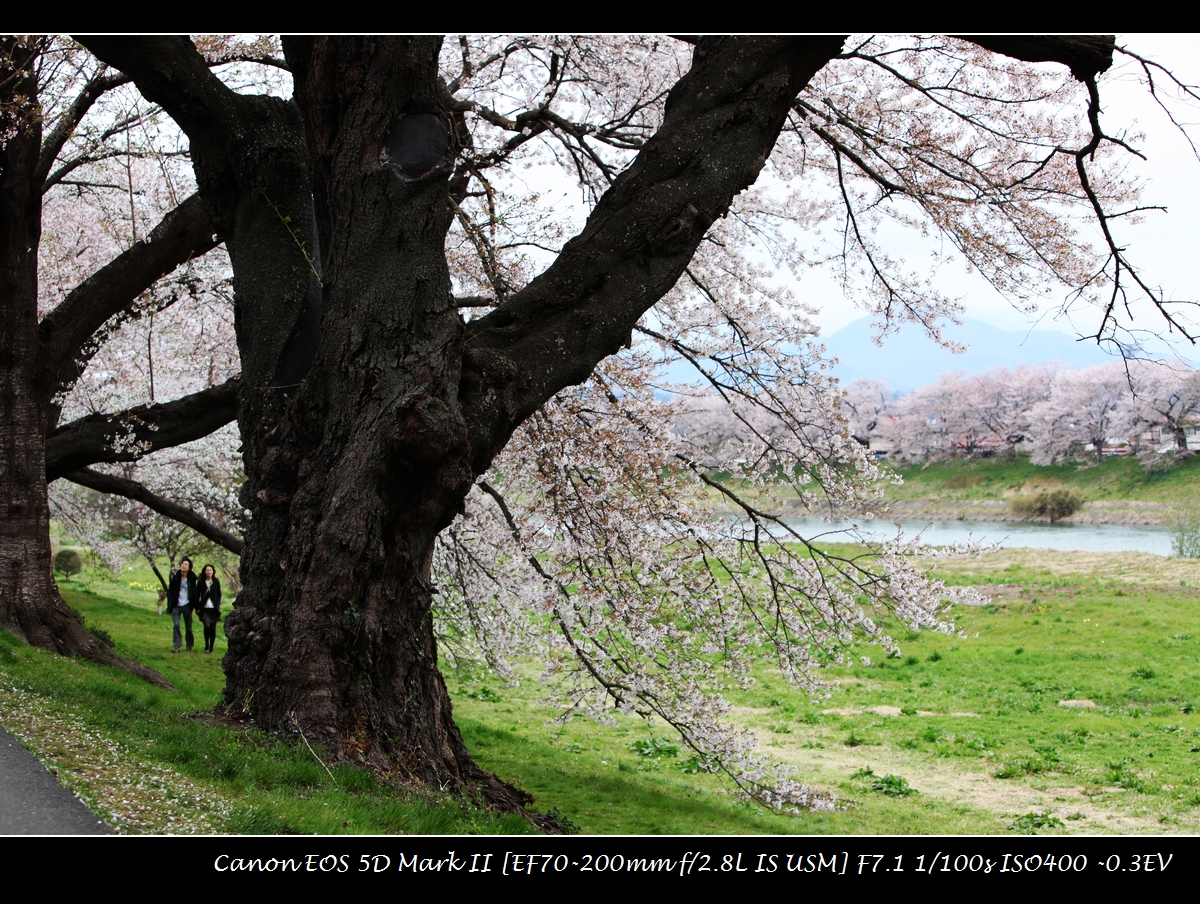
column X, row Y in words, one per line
column 213, row 567
column 191, row 564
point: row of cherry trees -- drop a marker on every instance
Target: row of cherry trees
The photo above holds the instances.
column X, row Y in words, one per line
column 1142, row 407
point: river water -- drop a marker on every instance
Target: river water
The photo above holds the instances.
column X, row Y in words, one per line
column 1084, row 537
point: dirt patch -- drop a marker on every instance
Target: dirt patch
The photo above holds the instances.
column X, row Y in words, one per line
column 891, row 711
column 990, row 593
column 1078, row 704
column 1092, row 811
column 1181, row 575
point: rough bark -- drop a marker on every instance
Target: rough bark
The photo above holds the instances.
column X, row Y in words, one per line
column 351, row 479
column 31, row 607
column 1085, row 55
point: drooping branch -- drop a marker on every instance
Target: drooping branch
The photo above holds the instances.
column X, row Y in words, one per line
column 1120, row 263
column 136, row 432
column 721, row 121
column 184, row 233
column 1191, row 92
column 131, row 489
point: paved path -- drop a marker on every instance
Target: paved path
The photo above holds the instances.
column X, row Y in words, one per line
column 32, row 802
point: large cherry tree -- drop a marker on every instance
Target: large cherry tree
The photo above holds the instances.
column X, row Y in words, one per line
column 364, row 214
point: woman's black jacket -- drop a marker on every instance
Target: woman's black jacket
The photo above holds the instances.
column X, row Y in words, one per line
column 212, row 593
column 173, row 592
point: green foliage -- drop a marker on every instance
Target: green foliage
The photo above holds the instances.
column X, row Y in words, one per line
column 484, row 694
column 998, row 714
column 141, row 759
column 655, row 748
column 95, row 630
column 1184, row 521
column 68, row 562
column 893, row 786
column 691, row 766
column 1120, row 775
column 1030, row 822
column 1052, row 504
column 1030, row 765
column 1117, row 479
column 568, row 827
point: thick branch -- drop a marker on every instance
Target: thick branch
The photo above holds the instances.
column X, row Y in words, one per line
column 184, row 233
column 169, row 71
column 721, row 121
column 1086, row 55
column 131, row 489
column 252, row 167
column 136, row 432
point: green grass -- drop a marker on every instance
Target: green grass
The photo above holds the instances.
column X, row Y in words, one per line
column 1121, row 479
column 961, row 734
column 148, row 760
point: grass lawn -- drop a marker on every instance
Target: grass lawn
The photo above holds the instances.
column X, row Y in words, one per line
column 961, row 734
column 1118, row 479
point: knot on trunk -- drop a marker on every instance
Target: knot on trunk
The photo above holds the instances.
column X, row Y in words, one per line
column 273, row 497
column 427, row 431
column 418, row 146
column 685, row 228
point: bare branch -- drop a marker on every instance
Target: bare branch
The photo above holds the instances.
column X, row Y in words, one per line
column 53, row 143
column 131, row 489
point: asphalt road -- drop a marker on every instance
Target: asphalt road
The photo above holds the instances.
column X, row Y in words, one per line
column 32, row 802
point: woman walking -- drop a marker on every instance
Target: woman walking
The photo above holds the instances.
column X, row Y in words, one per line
column 182, row 594
column 210, row 605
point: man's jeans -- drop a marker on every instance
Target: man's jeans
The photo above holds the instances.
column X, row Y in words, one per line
column 186, row 612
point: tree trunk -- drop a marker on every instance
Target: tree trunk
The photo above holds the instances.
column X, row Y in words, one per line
column 31, row 607
column 351, row 481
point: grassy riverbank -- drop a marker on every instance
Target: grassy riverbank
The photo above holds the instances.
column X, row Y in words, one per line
column 1118, row 491
column 1067, row 705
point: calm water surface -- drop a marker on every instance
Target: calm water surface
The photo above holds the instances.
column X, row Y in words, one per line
column 1084, row 537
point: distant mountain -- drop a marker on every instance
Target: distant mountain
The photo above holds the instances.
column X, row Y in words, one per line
column 909, row 359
